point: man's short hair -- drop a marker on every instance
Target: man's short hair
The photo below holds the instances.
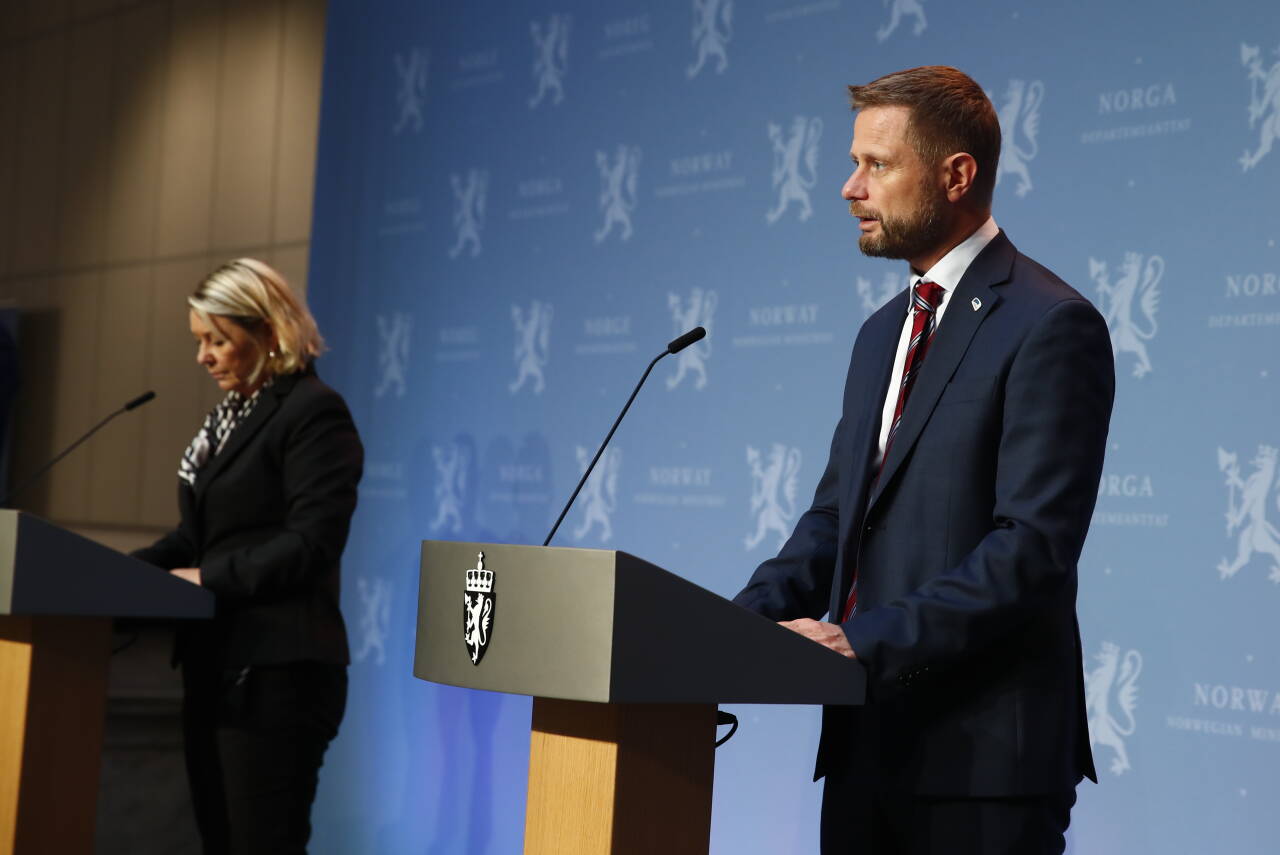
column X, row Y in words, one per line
column 949, row 113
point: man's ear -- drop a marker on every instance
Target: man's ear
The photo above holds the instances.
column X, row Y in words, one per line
column 960, row 170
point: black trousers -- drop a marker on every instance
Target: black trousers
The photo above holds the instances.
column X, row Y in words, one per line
column 858, row 822
column 255, row 739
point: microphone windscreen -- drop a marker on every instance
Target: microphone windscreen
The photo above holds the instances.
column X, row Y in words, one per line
column 140, row 400
column 693, row 335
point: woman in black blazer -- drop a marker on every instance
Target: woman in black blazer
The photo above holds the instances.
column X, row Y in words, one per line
column 266, row 491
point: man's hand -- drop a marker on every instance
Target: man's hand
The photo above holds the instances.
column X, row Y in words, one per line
column 192, row 574
column 827, row 634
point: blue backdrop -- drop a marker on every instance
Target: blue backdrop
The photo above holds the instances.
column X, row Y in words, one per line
column 519, row 204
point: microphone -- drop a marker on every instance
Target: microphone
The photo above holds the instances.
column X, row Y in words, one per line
column 674, row 346
column 137, row 402
column 693, row 336
column 131, row 405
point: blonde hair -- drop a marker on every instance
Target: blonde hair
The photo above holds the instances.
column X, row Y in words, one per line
column 255, row 296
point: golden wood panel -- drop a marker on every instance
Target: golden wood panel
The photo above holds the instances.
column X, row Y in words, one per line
column 623, row 779
column 53, row 684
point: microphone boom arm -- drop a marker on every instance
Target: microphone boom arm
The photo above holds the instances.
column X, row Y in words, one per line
column 35, row 476
column 600, row 450
column 675, row 346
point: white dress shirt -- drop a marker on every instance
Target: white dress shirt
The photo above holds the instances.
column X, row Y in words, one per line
column 947, row 273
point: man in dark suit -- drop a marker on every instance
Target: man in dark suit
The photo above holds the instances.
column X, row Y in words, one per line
column 944, row 533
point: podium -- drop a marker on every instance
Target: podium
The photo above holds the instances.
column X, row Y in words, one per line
column 626, row 663
column 58, row 594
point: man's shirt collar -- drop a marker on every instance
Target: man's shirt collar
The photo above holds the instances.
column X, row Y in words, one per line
column 951, row 267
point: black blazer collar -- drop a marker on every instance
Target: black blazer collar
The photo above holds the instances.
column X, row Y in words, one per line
column 268, row 402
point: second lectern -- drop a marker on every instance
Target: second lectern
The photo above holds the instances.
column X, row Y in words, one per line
column 626, row 663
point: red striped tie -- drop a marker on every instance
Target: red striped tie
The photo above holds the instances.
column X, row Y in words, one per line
column 925, row 298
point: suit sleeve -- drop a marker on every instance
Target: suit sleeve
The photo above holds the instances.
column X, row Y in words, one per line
column 1057, row 406
column 172, row 550
column 322, row 464
column 797, row 583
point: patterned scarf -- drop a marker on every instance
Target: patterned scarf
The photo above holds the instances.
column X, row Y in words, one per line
column 213, row 434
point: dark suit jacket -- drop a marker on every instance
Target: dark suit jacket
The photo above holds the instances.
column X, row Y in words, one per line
column 266, row 524
column 966, row 545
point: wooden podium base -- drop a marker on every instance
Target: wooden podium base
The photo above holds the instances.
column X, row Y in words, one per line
column 620, row 778
column 53, row 689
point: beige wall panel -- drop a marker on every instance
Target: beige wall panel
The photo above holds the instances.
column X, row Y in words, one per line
column 9, row 113
column 86, row 147
column 149, row 141
column 123, row 354
column 303, row 58
column 33, row 421
column 44, row 15
column 12, row 16
column 35, row 294
column 72, row 350
column 93, row 8
column 173, row 418
column 42, row 69
column 248, row 100
column 137, row 104
column 190, row 128
column 291, row 261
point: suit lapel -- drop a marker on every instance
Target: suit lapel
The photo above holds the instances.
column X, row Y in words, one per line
column 991, row 267
column 859, row 454
column 867, row 432
column 268, row 403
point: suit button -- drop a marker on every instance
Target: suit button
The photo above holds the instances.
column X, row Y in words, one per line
column 867, row 529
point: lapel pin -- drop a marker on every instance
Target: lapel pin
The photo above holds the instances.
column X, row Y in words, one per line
column 976, row 303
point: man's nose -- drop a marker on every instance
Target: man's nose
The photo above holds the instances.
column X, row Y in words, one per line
column 855, row 187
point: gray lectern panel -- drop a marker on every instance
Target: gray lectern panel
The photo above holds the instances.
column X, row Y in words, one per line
column 550, row 624
column 675, row 642
column 47, row 570
column 592, row 625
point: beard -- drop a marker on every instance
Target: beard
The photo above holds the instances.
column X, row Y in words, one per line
column 918, row 233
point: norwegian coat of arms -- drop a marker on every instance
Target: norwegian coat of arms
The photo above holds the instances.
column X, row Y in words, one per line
column 477, row 611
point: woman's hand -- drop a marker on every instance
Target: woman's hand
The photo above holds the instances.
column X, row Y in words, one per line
column 190, row 574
